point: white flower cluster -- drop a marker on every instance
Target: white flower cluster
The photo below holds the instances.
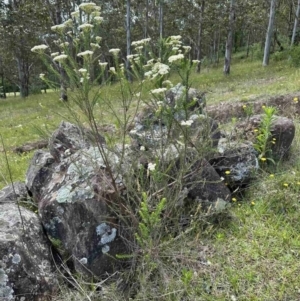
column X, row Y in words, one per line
column 60, row 58
column 102, row 64
column 151, row 166
column 112, row 70
column 114, row 51
column 58, row 28
column 98, row 19
column 82, row 70
column 95, row 46
column 39, row 48
column 86, row 27
column 174, row 58
column 187, row 122
column 158, row 69
column 75, row 14
column 68, row 23
column 140, row 42
column 85, row 53
column 158, row 91
column 65, row 44
column 87, row 7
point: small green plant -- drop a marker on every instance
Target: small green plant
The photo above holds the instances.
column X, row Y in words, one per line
column 263, row 138
column 150, row 222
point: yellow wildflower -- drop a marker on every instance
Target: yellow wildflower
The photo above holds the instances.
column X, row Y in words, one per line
column 271, row 175
column 227, row 172
column 298, row 183
column 295, row 99
column 252, row 203
column 255, row 130
column 244, row 106
column 285, row 184
column 263, row 107
column 234, row 199
column 263, row 159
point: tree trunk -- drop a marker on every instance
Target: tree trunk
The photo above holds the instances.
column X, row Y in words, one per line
column 269, row 33
column 248, row 43
column 295, row 24
column 161, row 19
column 228, row 50
column 128, row 38
column 146, row 20
column 23, row 77
column 199, row 44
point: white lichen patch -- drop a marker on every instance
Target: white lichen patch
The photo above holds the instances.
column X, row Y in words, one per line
column 5, row 291
column 83, row 260
column 105, row 249
column 107, row 234
column 16, row 259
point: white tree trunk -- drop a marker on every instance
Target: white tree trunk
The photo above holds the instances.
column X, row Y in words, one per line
column 128, row 38
column 269, row 33
column 228, row 50
column 161, row 19
column 295, row 24
column 199, row 40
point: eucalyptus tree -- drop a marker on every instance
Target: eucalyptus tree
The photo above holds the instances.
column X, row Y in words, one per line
column 229, row 41
column 269, row 33
column 295, row 23
column 22, row 23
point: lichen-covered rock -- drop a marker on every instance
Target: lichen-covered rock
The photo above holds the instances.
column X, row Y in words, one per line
column 204, row 183
column 281, row 138
column 69, row 138
column 38, row 173
column 162, row 122
column 26, row 267
column 195, row 98
column 14, row 192
column 76, row 201
column 235, row 161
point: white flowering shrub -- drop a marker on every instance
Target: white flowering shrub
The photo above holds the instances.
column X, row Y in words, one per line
column 154, row 190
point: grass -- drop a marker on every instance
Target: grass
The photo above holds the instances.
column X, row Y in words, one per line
column 252, row 256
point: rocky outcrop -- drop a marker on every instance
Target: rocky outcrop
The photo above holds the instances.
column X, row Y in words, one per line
column 281, row 138
column 236, row 162
column 76, row 199
column 13, row 193
column 27, row 271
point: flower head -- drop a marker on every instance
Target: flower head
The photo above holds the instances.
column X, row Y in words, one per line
column 68, row 23
column 285, row 184
column 42, row 76
column 158, row 91
column 87, row 7
column 75, row 14
column 58, row 28
column 82, row 70
column 98, row 39
column 112, row 70
column 114, row 51
column 39, row 48
column 98, row 19
column 227, row 172
column 187, row 123
column 86, row 26
column 295, row 99
column 151, row 166
column 60, row 58
column 103, row 64
column 174, row 58
column 85, row 53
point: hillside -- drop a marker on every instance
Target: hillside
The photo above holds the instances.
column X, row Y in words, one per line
column 252, row 251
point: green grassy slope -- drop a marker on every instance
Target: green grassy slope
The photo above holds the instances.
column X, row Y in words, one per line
column 253, row 256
